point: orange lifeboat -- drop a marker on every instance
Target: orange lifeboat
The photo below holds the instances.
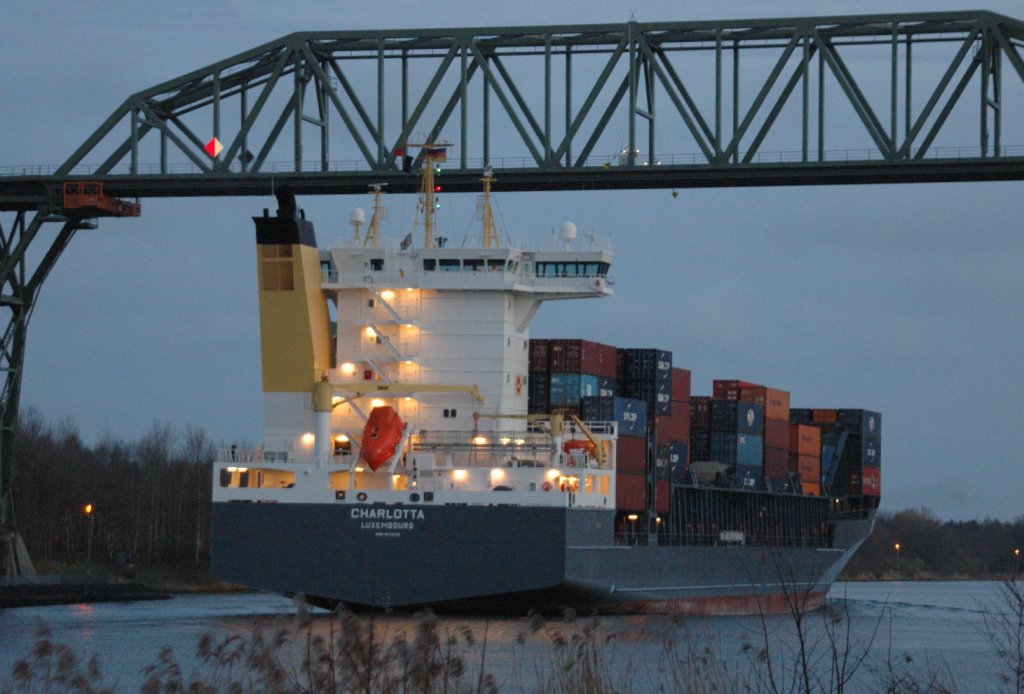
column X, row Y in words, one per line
column 381, row 436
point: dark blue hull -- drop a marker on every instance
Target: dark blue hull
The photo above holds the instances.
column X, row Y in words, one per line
column 505, row 559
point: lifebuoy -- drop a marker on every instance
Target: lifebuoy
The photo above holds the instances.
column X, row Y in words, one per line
column 547, row 486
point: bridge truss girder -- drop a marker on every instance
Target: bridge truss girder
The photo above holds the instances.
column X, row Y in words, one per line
column 584, row 106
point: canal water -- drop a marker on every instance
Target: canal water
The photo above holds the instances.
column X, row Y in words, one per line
column 902, row 629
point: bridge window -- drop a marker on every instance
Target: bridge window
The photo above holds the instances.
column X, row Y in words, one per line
column 495, row 265
column 376, row 264
column 449, row 265
column 429, row 264
column 472, row 264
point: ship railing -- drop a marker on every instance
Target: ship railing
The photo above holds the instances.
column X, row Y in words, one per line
column 234, row 454
column 481, row 279
column 714, row 539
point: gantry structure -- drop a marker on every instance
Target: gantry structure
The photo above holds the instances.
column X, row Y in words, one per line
column 891, row 98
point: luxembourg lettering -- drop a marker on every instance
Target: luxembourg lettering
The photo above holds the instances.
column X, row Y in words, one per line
column 388, row 522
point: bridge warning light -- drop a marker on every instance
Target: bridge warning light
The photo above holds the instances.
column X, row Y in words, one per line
column 437, row 189
column 213, row 147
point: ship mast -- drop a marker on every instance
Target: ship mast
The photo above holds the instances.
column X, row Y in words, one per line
column 433, row 154
column 372, row 239
column 487, row 213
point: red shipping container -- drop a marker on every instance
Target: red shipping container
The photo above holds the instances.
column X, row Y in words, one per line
column 812, row 488
column 872, row 481
column 681, row 428
column 539, row 356
column 824, row 416
column 631, row 457
column 724, row 389
column 776, row 404
column 776, row 434
column 753, row 393
column 663, row 500
column 582, row 357
column 631, row 492
column 776, row 463
column 681, row 381
column 804, row 439
column 673, row 427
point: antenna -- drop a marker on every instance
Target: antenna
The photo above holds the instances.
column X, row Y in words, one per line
column 372, row 239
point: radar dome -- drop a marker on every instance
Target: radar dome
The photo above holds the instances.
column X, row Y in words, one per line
column 567, row 232
column 358, row 216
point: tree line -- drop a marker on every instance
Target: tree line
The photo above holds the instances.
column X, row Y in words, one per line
column 933, row 548
column 151, row 504
column 149, row 499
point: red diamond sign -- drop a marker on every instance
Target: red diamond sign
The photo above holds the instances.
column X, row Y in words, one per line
column 213, row 148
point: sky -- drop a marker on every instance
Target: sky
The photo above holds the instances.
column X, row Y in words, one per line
column 905, row 299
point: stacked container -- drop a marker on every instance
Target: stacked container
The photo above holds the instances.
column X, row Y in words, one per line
column 671, row 438
column 861, row 461
column 562, row 372
column 776, row 435
column 700, row 427
column 737, row 429
column 646, row 374
column 857, row 471
column 805, row 456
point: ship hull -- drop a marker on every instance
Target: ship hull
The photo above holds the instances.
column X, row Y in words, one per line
column 508, row 560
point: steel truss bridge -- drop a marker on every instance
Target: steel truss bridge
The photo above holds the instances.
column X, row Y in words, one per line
column 817, row 100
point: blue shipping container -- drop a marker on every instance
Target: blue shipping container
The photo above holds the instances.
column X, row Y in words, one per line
column 738, row 449
column 736, row 416
column 567, row 388
column 631, row 415
column 678, row 456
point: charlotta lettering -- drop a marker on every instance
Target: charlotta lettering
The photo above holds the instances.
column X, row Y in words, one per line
column 388, row 514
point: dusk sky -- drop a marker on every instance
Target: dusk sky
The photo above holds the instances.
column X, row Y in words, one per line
column 906, row 299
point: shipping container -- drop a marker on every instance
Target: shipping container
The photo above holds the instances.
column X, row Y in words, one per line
column 860, row 422
column 681, row 383
column 749, row 477
column 819, row 416
column 631, row 456
column 776, row 404
column 673, row 427
column 539, row 385
column 807, row 466
column 872, row 482
column 631, row 492
column 568, row 388
column 812, row 488
column 700, row 444
column 663, row 498
column 679, row 461
column 801, row 416
column 662, row 463
column 631, row 415
column 606, row 386
column 776, row 463
column 583, row 357
column 776, row 433
column 804, row 439
column 700, row 412
column 737, row 416
column 738, row 449
column 539, row 356
column 752, row 393
column 864, row 451
column 725, row 389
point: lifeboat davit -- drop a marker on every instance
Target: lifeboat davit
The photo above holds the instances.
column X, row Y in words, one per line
column 579, row 444
column 381, row 436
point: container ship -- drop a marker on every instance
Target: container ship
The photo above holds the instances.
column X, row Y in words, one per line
column 421, row 450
